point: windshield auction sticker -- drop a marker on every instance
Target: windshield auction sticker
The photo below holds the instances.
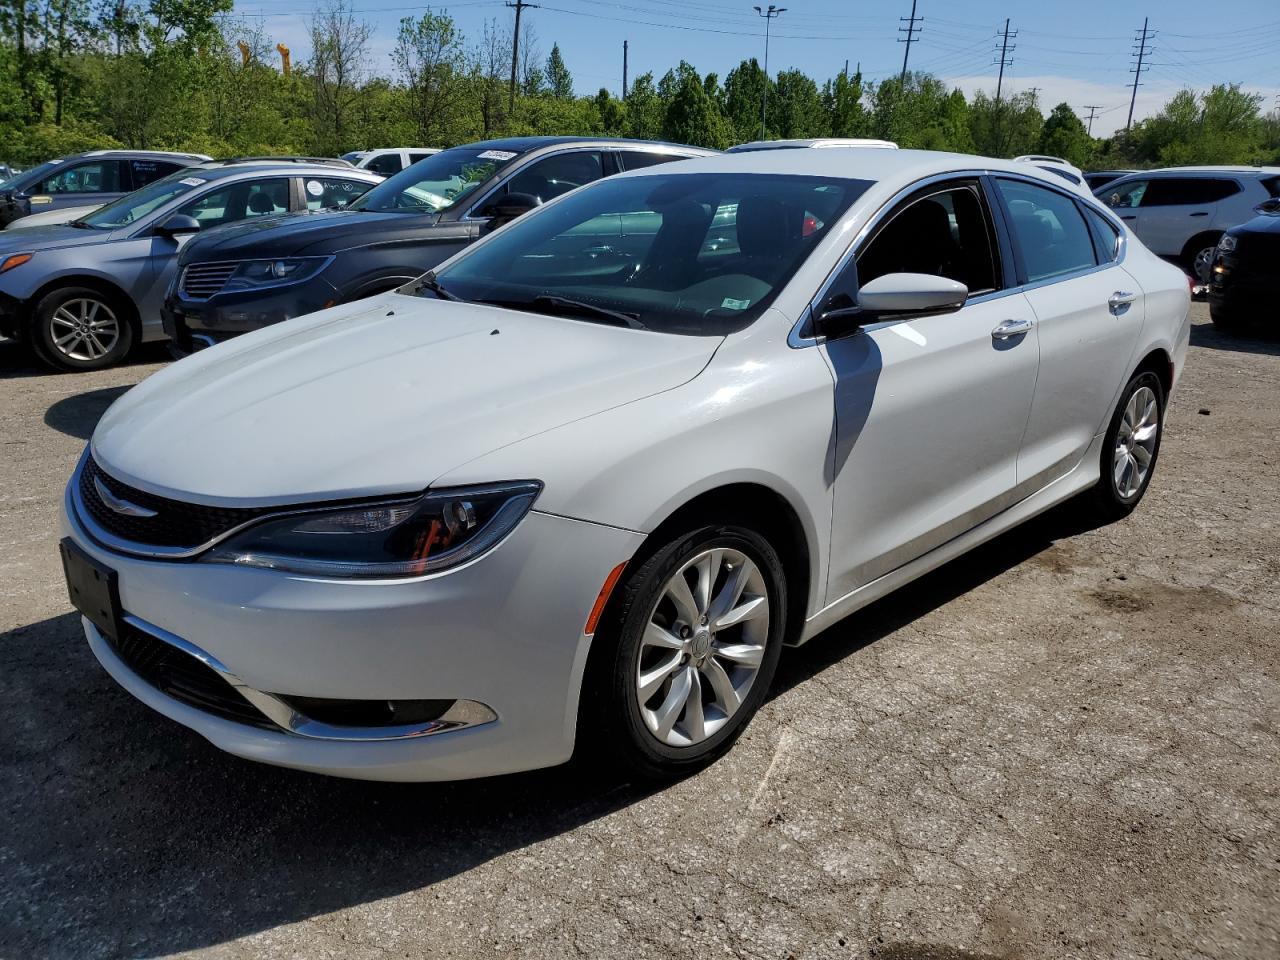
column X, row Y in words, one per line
column 192, row 182
column 315, row 188
column 496, row 155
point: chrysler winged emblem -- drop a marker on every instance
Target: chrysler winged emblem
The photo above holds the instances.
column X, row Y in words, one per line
column 117, row 504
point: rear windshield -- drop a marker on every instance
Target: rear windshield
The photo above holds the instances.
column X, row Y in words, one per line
column 436, row 183
column 696, row 254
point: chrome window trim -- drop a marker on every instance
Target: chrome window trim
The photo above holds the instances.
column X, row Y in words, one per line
column 463, row 713
column 798, row 340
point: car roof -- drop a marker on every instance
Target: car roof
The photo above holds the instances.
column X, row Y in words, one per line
column 814, row 143
column 219, row 170
column 524, row 144
column 1177, row 171
column 852, row 163
column 141, row 154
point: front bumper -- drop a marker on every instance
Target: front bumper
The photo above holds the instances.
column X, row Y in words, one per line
column 194, row 324
column 504, row 631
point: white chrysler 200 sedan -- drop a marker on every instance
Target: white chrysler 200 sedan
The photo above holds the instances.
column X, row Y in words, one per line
column 581, row 484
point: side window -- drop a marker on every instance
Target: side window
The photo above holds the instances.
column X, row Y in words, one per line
column 547, row 179
column 1172, row 191
column 329, row 193
column 415, row 157
column 1126, row 195
column 1048, row 229
column 639, row 159
column 386, row 165
column 1107, row 235
column 945, row 234
column 95, row 176
column 256, row 198
column 1272, row 186
column 144, row 172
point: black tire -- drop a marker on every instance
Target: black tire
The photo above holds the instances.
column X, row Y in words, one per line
column 1105, row 502
column 1203, row 241
column 43, row 329
column 1223, row 319
column 611, row 725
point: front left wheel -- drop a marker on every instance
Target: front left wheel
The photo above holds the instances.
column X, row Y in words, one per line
column 80, row 328
column 689, row 652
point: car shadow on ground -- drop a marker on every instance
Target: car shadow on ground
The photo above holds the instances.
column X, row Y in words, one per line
column 78, row 415
column 126, row 834
column 1256, row 339
column 17, row 361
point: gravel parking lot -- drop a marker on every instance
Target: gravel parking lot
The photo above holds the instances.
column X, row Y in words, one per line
column 1064, row 745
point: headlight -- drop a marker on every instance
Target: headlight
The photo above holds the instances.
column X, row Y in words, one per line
column 405, row 538
column 1227, row 243
column 271, row 273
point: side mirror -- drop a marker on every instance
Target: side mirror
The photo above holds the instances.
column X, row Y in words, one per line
column 177, row 225
column 894, row 296
column 507, row 207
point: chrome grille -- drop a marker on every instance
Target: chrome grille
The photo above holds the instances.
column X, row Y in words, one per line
column 202, row 280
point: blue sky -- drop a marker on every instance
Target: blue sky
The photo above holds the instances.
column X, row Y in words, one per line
column 1073, row 50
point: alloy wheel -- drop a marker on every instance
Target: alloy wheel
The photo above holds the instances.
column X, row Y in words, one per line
column 1136, row 442
column 703, row 646
column 1204, row 263
column 84, row 329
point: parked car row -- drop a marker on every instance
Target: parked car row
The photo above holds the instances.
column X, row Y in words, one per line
column 579, row 484
column 1183, row 213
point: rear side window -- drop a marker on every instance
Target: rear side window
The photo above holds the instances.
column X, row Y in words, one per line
column 96, row 176
column 387, row 164
column 1271, row 185
column 639, row 159
column 415, row 157
column 1105, row 232
column 240, row 201
column 1175, row 191
column 149, row 171
column 329, row 193
column 1048, row 229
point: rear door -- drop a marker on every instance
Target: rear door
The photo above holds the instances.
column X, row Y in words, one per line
column 1088, row 313
column 80, row 183
column 1175, row 209
column 143, row 171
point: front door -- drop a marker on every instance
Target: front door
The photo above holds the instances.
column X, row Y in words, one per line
column 930, row 412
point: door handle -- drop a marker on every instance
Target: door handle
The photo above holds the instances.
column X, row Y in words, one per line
column 1119, row 301
column 1128, row 216
column 1202, row 213
column 1012, row 328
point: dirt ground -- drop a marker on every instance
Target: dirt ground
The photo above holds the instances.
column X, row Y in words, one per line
column 1063, row 745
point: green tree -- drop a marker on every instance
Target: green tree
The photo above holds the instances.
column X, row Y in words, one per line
column 691, row 115
column 1008, row 128
column 842, row 103
column 645, row 109
column 338, row 69
column 796, row 109
column 1064, row 135
column 430, row 57
column 559, row 82
column 744, row 88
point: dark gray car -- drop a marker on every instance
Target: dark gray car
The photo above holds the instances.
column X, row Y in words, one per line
column 81, row 294
column 87, row 179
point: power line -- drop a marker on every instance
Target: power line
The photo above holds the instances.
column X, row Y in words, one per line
column 768, row 15
column 1142, row 51
column 519, row 6
column 1004, row 60
column 910, row 30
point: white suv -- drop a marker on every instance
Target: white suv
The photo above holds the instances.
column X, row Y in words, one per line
column 1180, row 213
column 388, row 161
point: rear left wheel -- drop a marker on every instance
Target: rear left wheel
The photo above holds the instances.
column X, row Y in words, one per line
column 1129, row 450
column 690, row 652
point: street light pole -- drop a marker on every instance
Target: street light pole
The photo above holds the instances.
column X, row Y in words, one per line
column 768, row 15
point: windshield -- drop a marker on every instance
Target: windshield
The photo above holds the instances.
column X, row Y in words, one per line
column 353, row 156
column 134, row 206
column 436, row 183
column 697, row 254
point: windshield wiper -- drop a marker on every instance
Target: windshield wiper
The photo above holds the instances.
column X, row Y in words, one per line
column 428, row 281
column 588, row 309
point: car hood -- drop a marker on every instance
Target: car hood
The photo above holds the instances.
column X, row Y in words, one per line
column 300, row 233
column 378, row 397
column 49, row 238
column 44, row 218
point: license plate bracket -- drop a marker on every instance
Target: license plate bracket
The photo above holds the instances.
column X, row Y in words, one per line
column 94, row 588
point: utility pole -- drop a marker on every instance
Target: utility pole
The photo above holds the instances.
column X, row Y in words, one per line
column 624, row 69
column 1004, row 60
column 1142, row 51
column 768, row 15
column 910, row 30
column 1093, row 112
column 518, row 6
